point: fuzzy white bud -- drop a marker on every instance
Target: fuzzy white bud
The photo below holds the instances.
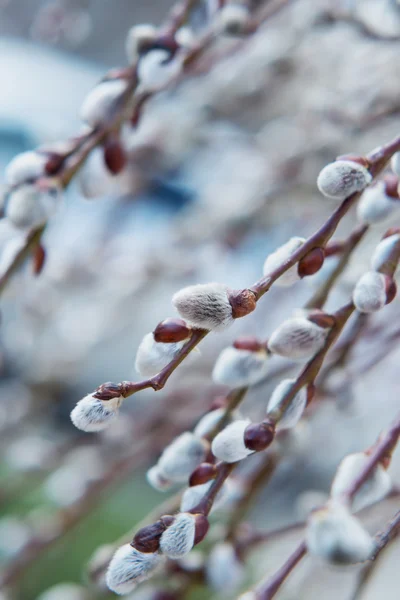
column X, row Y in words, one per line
column 281, row 255
column 139, row 38
column 178, row 539
column 156, row 479
column 340, row 179
column 195, row 493
column 232, row 18
column 128, row 567
column 248, row 596
column 182, row 456
column 205, row 305
column 100, row 101
column 156, row 68
column 294, row 411
column 92, row 414
column 210, row 420
column 383, row 250
column 376, row 487
column 395, row 163
column 229, row 444
column 25, row 167
column 297, row 339
column 239, row 368
column 63, row 591
column 336, row 536
column 224, row 571
column 27, row 206
column 152, row 356
column 369, row 295
column 375, row 206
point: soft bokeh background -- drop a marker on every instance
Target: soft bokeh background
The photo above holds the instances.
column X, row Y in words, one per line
column 222, row 170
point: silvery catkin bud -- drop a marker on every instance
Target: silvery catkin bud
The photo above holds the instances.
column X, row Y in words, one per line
column 156, row 479
column 27, row 206
column 342, row 178
column 128, row 567
column 98, row 104
column 376, row 487
column 152, row 356
column 297, row 339
column 156, row 68
column 179, row 538
column 370, row 292
column 224, row 571
column 281, row 255
column 182, row 456
column 293, row 413
column 213, row 306
column 232, row 19
column 395, row 163
column 383, row 250
column 25, row 167
column 92, row 414
column 240, row 368
column 376, row 206
column 229, row 444
column 209, row 421
column 139, row 38
column 336, row 536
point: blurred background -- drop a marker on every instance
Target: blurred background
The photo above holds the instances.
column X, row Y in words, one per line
column 221, row 171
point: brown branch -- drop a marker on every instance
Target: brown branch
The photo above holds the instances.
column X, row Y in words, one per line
column 266, row 591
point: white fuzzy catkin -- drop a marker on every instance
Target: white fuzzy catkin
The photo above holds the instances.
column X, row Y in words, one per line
column 340, row 179
column 239, row 368
column 156, row 479
column 383, row 250
column 28, row 207
column 178, row 539
column 229, row 444
column 205, row 305
column 98, row 104
column 195, row 493
column 92, row 414
column 182, row 456
column 25, row 167
column 224, row 571
column 152, row 356
column 297, row 339
column 281, row 255
column 395, row 163
column 156, row 68
column 138, row 38
column 376, row 487
column 208, row 422
column 375, row 206
column 369, row 294
column 294, row 411
column 337, row 537
column 63, row 591
column 128, row 567
column 232, row 18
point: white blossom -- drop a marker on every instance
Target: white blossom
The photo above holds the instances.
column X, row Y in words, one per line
column 182, row 456
column 25, row 167
column 152, row 356
column 28, row 206
column 280, row 256
column 383, row 250
column 229, row 444
column 375, row 206
column 128, row 567
column 294, row 411
column 224, row 571
column 341, row 178
column 205, row 305
column 100, row 101
column 239, row 368
column 376, row 487
column 178, row 539
column 93, row 414
column 297, row 339
column 369, row 294
column 337, row 537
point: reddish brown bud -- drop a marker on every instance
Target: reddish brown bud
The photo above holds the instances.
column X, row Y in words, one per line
column 391, row 289
column 357, row 158
column 39, row 258
column 258, row 436
column 310, row 393
column 147, row 539
column 391, row 186
column 391, row 231
column 108, row 391
column 322, row 319
column 114, row 155
column 201, row 527
column 118, row 73
column 311, row 262
column 219, row 402
column 202, row 474
column 54, row 163
column 243, row 302
column 167, row 520
column 171, row 330
column 248, row 342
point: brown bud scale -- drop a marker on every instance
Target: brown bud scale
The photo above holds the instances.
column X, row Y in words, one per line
column 171, row 330
column 258, row 436
column 243, row 302
column 147, row 539
column 391, row 186
column 357, row 158
column 202, row 474
column 114, row 155
column 248, row 342
column 391, row 289
column 322, row 319
column 391, row 231
column 39, row 259
column 108, row 391
column 201, row 528
column 311, row 262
